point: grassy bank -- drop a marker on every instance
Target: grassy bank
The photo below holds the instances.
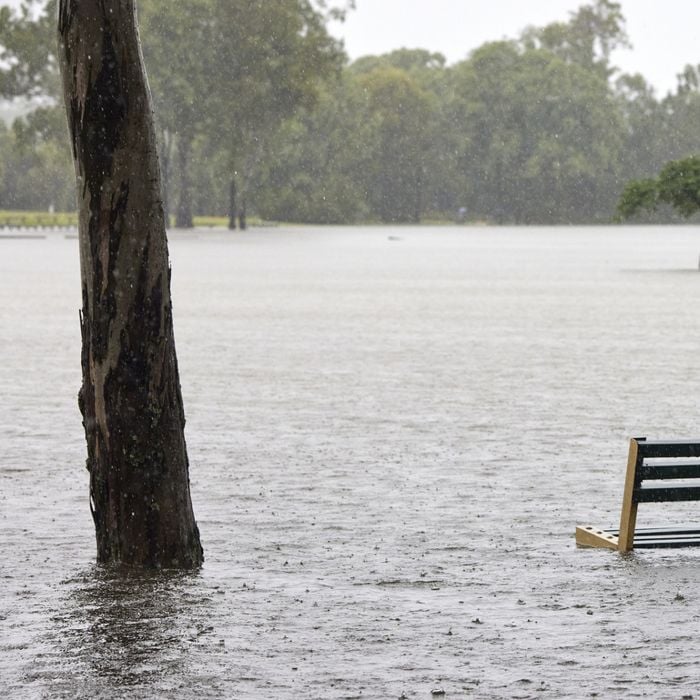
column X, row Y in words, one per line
column 37, row 219
column 45, row 219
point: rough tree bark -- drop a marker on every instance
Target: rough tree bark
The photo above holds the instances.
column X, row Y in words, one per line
column 130, row 397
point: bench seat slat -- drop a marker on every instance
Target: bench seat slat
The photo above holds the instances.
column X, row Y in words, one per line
column 661, row 537
column 667, row 537
column 648, row 543
column 684, row 530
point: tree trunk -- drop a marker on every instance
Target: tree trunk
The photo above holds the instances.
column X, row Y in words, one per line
column 418, row 199
column 232, row 205
column 242, row 221
column 130, row 397
column 183, row 216
column 165, row 161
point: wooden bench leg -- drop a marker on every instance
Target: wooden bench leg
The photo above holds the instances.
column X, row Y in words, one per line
column 628, row 516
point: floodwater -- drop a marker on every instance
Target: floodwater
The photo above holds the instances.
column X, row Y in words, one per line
column 393, row 433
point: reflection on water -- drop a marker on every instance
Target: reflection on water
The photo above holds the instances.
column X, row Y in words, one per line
column 133, row 621
column 117, row 631
column 392, row 435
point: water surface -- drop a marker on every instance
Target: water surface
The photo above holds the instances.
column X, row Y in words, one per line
column 393, row 433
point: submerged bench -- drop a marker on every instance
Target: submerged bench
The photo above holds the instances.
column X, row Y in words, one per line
column 658, row 471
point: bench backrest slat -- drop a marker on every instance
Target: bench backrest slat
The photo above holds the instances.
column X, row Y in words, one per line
column 651, row 466
column 666, row 494
column 652, row 449
column 669, row 470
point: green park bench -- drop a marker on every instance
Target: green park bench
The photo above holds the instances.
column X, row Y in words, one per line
column 658, row 471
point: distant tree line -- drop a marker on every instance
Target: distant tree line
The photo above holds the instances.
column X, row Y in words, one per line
column 260, row 112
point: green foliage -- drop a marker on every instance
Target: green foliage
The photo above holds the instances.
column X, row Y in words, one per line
column 177, row 73
column 37, row 171
column 227, row 73
column 638, row 195
column 401, row 113
column 321, row 157
column 373, row 148
column 269, row 61
column 27, row 55
column 542, row 138
column 587, row 40
column 418, row 61
column 333, row 11
column 678, row 185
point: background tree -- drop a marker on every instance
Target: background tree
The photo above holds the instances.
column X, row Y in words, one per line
column 645, row 148
column 44, row 174
column 130, row 397
column 422, row 64
column 409, row 140
column 180, row 57
column 677, row 185
column 662, row 132
column 35, row 153
column 401, row 114
column 27, row 53
column 587, row 40
column 678, row 133
column 540, row 138
column 321, row 157
column 271, row 56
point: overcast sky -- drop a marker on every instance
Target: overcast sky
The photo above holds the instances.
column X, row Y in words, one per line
column 665, row 33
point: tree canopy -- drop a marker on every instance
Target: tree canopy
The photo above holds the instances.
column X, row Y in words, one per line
column 258, row 109
column 27, row 50
column 678, row 185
